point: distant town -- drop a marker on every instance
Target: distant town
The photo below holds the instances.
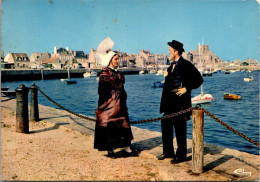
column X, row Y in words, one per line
column 64, row 58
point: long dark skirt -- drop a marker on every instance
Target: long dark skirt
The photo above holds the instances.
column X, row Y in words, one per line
column 111, row 137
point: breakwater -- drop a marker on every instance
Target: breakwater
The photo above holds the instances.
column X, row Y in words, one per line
column 38, row 74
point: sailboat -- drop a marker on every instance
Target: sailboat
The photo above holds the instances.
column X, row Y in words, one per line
column 202, row 98
column 69, row 81
column 249, row 78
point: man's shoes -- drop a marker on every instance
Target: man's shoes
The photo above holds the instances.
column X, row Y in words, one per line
column 163, row 156
column 111, row 155
column 178, row 160
column 134, row 153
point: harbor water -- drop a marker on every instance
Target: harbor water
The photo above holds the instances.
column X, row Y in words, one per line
column 144, row 102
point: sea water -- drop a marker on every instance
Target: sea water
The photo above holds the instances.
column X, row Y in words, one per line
column 144, row 102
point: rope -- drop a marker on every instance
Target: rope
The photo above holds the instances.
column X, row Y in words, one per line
column 229, row 127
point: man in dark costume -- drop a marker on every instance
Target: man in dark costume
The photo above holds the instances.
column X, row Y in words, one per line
column 113, row 128
column 181, row 77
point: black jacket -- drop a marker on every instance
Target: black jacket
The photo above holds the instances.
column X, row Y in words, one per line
column 185, row 74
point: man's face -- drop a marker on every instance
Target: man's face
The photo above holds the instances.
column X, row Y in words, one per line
column 172, row 53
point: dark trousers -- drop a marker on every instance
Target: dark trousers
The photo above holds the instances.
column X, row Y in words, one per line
column 180, row 126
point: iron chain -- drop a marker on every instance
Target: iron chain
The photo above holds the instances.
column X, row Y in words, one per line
column 161, row 118
column 229, row 127
column 8, row 99
column 79, row 115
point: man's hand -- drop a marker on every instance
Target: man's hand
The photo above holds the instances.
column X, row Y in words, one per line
column 165, row 73
column 181, row 91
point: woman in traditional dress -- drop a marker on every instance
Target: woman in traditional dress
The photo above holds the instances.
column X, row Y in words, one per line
column 113, row 126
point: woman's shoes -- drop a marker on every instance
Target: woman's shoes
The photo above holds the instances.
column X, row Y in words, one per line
column 111, row 154
column 123, row 154
column 133, row 153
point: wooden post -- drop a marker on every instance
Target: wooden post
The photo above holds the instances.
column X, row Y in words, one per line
column 22, row 120
column 197, row 141
column 34, row 109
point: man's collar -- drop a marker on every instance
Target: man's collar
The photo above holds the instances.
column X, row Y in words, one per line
column 175, row 62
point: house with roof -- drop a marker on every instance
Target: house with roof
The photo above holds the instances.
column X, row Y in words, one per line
column 69, row 58
column 91, row 60
column 20, row 60
column 145, row 58
column 54, row 63
column 39, row 57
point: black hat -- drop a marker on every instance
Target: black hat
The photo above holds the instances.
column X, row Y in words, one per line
column 176, row 45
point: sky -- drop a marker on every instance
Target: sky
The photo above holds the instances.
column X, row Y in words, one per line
column 229, row 27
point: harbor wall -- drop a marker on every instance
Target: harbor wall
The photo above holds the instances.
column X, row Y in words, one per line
column 38, row 74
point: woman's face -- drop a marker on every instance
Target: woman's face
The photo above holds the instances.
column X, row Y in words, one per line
column 114, row 62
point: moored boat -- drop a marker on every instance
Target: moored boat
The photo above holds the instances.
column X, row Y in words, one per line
column 71, row 81
column 230, row 96
column 160, row 72
column 158, row 84
column 202, row 99
column 89, row 74
column 4, row 88
column 248, row 79
column 206, row 73
column 141, row 72
column 152, row 71
column 227, row 72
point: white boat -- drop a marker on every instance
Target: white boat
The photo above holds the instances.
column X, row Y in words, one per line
column 89, row 74
column 160, row 72
column 248, row 79
column 141, row 72
column 152, row 71
column 202, row 98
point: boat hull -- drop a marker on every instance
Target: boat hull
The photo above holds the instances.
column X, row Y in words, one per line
column 207, row 98
column 71, row 81
column 232, row 97
column 248, row 79
column 158, row 84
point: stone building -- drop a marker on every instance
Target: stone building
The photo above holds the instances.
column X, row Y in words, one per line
column 91, row 60
column 69, row 58
column 124, row 59
column 203, row 58
column 145, row 58
column 39, row 57
column 54, row 63
column 20, row 60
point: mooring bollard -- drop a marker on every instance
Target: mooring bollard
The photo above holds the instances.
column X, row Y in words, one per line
column 34, row 109
column 22, row 120
column 197, row 141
